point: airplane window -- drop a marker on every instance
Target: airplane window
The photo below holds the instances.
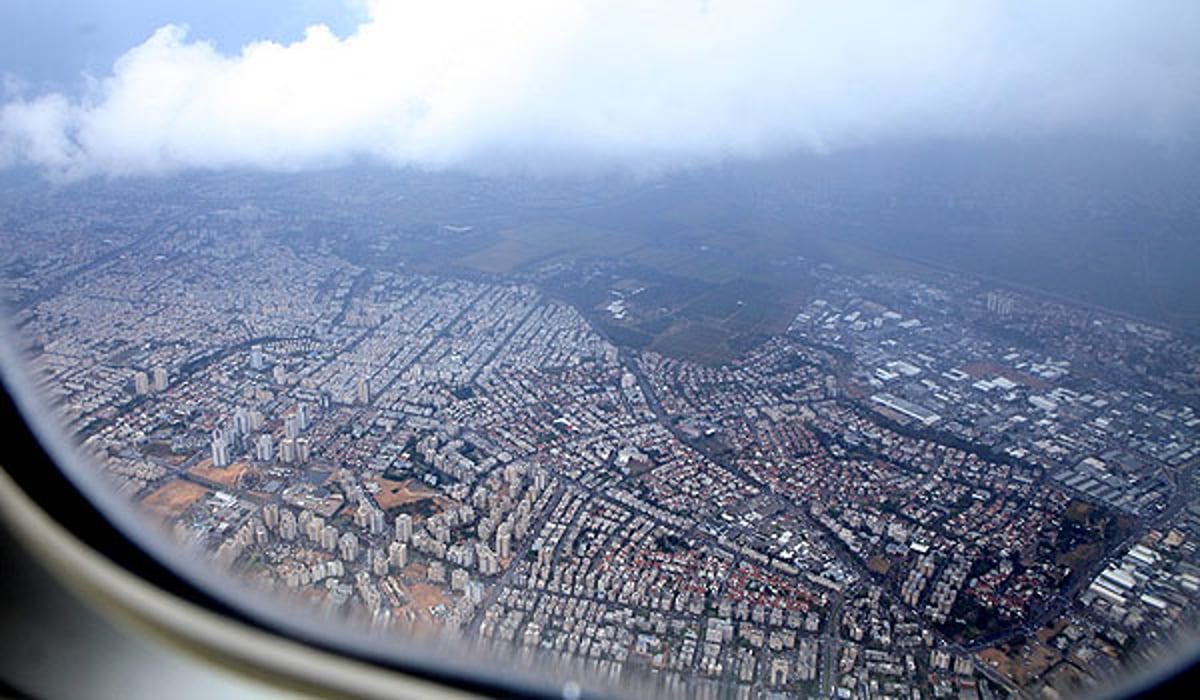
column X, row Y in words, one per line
column 707, row 349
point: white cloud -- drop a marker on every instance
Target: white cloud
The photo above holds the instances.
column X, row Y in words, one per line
column 619, row 83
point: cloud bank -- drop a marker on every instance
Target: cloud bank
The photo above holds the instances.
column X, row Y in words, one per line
column 545, row 84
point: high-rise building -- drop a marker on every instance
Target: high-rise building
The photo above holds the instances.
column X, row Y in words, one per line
column 998, row 303
column 363, row 391
column 241, row 421
column 287, row 450
column 504, row 541
column 256, row 419
column 489, row 565
column 379, row 562
column 287, row 525
column 265, row 448
column 404, row 527
column 348, row 547
column 141, row 383
column 291, row 426
column 220, row 448
column 439, row 530
column 376, row 521
column 258, row 361
column 159, row 376
column 329, row 538
column 314, row 526
column 270, row 515
column 302, row 416
column 398, row 554
column 303, row 450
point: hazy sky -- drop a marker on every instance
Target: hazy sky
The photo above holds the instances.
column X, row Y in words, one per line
column 559, row 84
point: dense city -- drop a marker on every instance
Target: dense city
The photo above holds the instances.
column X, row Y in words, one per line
column 923, row 487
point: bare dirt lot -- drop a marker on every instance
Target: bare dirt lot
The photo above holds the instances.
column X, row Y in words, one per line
column 393, row 494
column 173, row 498
column 225, row 476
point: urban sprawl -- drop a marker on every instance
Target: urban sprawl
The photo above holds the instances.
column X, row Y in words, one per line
column 922, row 489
